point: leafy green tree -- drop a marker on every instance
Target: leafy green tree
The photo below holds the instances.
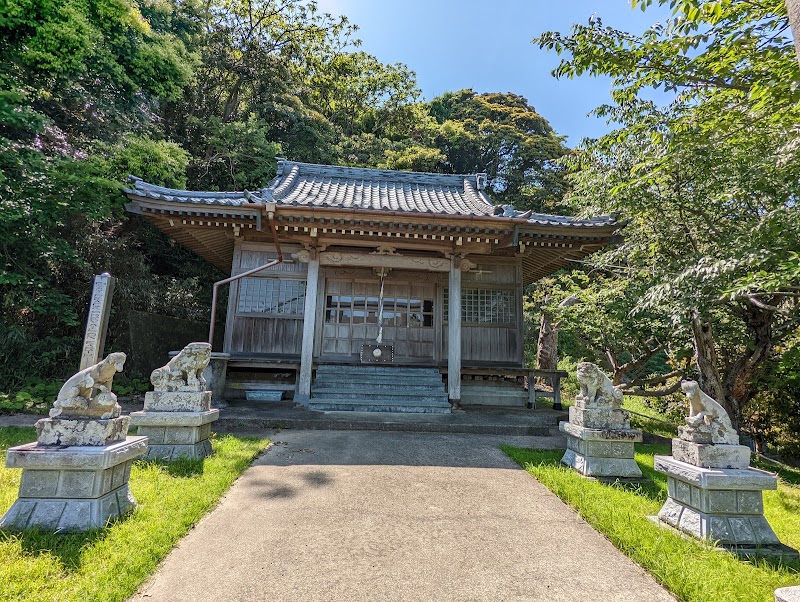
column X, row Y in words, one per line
column 75, row 77
column 708, row 184
column 502, row 135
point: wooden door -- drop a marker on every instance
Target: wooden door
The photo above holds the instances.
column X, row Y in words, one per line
column 350, row 319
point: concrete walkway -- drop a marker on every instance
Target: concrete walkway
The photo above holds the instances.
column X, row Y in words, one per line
column 328, row 515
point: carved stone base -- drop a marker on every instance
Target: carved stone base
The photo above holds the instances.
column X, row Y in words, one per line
column 711, row 456
column 63, row 431
column 788, row 594
column 72, row 488
column 601, row 453
column 215, row 375
column 177, row 401
column 599, row 417
column 170, row 453
column 719, row 504
column 172, row 435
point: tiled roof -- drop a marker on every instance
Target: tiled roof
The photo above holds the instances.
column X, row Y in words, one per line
column 355, row 188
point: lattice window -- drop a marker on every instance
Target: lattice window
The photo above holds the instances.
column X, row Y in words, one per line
column 397, row 311
column 271, row 296
column 485, row 306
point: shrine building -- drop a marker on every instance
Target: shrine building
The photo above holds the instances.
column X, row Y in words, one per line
column 363, row 271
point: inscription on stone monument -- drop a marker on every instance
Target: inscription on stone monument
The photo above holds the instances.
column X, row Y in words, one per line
column 97, row 323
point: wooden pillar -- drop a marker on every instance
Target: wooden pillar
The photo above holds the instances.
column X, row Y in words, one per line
column 309, row 321
column 454, row 333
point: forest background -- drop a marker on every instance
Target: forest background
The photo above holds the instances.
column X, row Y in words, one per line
column 204, row 94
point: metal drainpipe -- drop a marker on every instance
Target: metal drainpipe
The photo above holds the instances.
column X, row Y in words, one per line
column 271, row 217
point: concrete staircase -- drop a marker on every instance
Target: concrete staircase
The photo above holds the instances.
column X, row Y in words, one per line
column 339, row 388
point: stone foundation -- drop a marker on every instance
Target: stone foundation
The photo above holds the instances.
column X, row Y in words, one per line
column 78, row 432
column 73, row 488
column 718, row 504
column 788, row 594
column 215, row 375
column 601, row 453
column 172, row 435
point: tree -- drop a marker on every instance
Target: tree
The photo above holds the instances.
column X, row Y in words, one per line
column 707, row 183
column 76, row 77
column 502, row 135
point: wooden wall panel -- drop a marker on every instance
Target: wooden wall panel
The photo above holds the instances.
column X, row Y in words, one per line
column 480, row 345
column 492, row 272
column 281, row 336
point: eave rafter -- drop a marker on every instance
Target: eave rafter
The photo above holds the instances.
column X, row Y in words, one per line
column 209, row 231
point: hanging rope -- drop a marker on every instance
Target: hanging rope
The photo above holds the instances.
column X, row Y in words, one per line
column 379, row 340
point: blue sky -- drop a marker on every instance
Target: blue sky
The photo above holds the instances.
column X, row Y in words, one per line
column 486, row 46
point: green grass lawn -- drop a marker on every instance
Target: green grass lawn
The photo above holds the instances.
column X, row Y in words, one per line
column 109, row 564
column 691, row 569
column 647, row 419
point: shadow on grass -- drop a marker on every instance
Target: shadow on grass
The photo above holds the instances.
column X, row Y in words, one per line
column 655, row 489
column 776, row 563
column 180, row 468
column 68, row 548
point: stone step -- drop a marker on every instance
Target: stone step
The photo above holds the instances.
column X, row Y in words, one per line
column 386, row 421
column 384, row 397
column 372, row 370
column 378, row 382
column 414, row 387
column 377, row 405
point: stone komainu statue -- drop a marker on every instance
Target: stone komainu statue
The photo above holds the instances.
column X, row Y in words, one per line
column 596, row 387
column 77, row 398
column 184, row 372
column 707, row 418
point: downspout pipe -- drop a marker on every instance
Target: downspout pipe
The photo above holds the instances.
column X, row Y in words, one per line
column 269, row 210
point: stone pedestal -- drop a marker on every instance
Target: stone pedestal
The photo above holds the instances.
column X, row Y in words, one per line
column 73, row 488
column 215, row 375
column 600, row 441
column 719, row 500
column 788, row 594
column 177, row 424
column 601, row 453
column 81, row 431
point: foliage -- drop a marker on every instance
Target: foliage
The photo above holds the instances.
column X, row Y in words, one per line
column 111, row 563
column 502, row 135
column 773, row 417
column 80, row 82
column 707, row 185
column 690, row 569
column 35, row 397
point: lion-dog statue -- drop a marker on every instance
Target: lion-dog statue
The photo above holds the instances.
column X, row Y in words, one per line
column 707, row 415
column 77, row 398
column 184, row 372
column 596, row 388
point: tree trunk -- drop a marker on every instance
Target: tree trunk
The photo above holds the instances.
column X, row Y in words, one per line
column 793, row 8
column 547, row 345
column 705, row 354
column 739, row 387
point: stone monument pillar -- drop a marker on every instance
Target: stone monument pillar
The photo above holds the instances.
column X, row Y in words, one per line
column 599, row 434
column 75, row 476
column 177, row 416
column 712, row 492
column 97, row 322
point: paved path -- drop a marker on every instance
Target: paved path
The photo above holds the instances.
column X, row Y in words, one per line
column 330, row 515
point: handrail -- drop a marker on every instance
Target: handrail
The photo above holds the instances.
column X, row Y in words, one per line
column 270, row 217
